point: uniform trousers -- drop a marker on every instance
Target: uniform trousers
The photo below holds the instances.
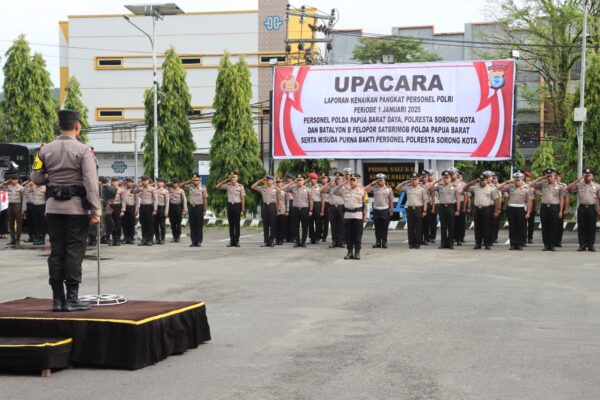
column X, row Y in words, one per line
column 381, row 220
column 315, row 223
column 159, row 223
column 15, row 220
column 3, row 222
column 68, row 235
column 517, row 225
column 336, row 217
column 414, row 222
column 496, row 228
column 234, row 214
column 29, row 220
column 430, row 225
column 292, row 229
column 116, row 232
column 446, row 212
column 459, row 226
column 108, row 225
column 531, row 223
column 147, row 222
column 196, row 223
column 301, row 220
column 586, row 225
column 37, row 223
column 550, row 222
column 354, row 231
column 269, row 220
column 325, row 222
column 483, row 219
column 175, row 216
column 129, row 223
column 282, row 227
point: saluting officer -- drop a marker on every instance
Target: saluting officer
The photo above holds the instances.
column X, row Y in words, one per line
column 268, row 192
column 588, row 197
column 129, row 211
column 324, row 179
column 162, row 211
column 147, row 209
column 486, row 207
column 177, row 207
column 533, row 211
column 315, row 224
column 356, row 209
column 496, row 223
column 449, row 202
column 115, row 206
column 416, row 209
column 303, row 208
column 430, row 220
column 37, row 223
column 518, row 197
column 291, row 218
column 17, row 207
column 551, row 207
column 28, row 209
column 282, row 213
column 336, row 212
column 383, row 209
column 236, row 206
column 198, row 195
column 68, row 168
column 566, row 209
column 461, row 219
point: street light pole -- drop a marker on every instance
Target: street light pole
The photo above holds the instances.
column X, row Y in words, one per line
column 155, row 16
column 580, row 115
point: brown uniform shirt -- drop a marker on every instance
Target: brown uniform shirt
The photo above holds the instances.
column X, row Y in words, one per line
column 234, row 192
column 446, row 193
column 301, row 196
column 335, row 199
column 37, row 195
column 551, row 193
column 198, row 195
column 269, row 195
column 147, row 197
column 382, row 196
column 353, row 199
column 128, row 198
column 460, row 185
column 282, row 202
column 588, row 194
column 316, row 193
column 68, row 162
column 177, row 197
column 16, row 193
column 415, row 196
column 517, row 195
column 484, row 196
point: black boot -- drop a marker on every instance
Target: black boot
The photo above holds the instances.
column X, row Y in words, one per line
column 73, row 303
column 349, row 256
column 357, row 255
column 377, row 244
column 58, row 298
column 12, row 242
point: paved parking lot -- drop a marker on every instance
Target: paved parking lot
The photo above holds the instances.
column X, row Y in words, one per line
column 305, row 324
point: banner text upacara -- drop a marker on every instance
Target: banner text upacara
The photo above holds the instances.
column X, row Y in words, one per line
column 388, row 83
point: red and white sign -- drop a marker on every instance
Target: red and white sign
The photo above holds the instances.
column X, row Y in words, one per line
column 3, row 201
column 447, row 111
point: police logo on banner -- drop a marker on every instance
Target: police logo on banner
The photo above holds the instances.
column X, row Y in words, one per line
column 289, row 85
column 496, row 76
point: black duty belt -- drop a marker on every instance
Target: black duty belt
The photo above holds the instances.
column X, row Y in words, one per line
column 65, row 192
column 351, row 210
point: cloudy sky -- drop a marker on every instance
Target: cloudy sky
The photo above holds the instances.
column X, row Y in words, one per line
column 38, row 19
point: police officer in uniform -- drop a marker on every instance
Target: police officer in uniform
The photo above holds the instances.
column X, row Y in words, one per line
column 416, row 208
column 461, row 219
column 551, row 207
column 534, row 207
column 356, row 209
column 115, row 213
column 303, row 208
column 449, row 203
column 325, row 218
column 588, row 197
column 282, row 207
column 68, row 168
column 383, row 208
column 129, row 211
column 28, row 209
column 519, row 203
column 486, row 207
column 268, row 193
column 336, row 212
column 430, row 220
column 147, row 207
column 177, row 207
column 236, row 206
column 162, row 211
column 17, row 207
column 198, row 196
column 37, row 222
column 315, row 224
column 291, row 229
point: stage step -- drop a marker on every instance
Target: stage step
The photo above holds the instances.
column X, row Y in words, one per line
column 27, row 354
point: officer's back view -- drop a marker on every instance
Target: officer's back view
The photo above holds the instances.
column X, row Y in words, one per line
column 68, row 168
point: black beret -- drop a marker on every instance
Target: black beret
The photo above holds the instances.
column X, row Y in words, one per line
column 128, row 179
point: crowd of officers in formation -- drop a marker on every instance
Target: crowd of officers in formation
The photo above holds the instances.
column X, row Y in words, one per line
column 297, row 210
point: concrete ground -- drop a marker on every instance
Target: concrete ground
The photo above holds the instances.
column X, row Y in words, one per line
column 305, row 324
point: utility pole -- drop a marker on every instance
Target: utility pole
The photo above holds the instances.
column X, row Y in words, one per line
column 580, row 112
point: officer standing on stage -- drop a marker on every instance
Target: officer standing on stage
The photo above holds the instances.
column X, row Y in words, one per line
column 17, row 207
column 147, row 209
column 177, row 207
column 356, row 211
column 518, row 209
column 486, row 207
column 336, row 212
column 236, row 206
column 324, row 179
column 129, row 211
column 416, row 209
column 282, row 213
column 162, row 211
column 534, row 206
column 449, row 203
column 268, row 193
column 588, row 197
column 198, row 196
column 383, row 208
column 115, row 206
column 551, row 207
column 303, row 208
column 315, row 224
column 68, row 168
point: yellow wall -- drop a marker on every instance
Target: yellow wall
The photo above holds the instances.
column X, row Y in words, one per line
column 296, row 30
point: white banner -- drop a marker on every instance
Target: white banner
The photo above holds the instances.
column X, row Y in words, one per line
column 448, row 111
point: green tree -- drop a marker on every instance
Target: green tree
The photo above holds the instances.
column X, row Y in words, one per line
column 43, row 102
column 175, row 140
column 296, row 167
column 234, row 146
column 472, row 169
column 73, row 102
column 370, row 50
column 543, row 158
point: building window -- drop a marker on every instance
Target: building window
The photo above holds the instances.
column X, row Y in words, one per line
column 191, row 61
column 110, row 114
column 109, row 63
column 267, row 59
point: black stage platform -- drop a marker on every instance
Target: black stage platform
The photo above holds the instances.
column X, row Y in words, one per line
column 130, row 336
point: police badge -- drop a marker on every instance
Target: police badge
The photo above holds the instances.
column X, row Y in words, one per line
column 289, row 85
column 496, row 76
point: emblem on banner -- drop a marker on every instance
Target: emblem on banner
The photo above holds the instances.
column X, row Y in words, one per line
column 496, row 76
column 289, row 85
